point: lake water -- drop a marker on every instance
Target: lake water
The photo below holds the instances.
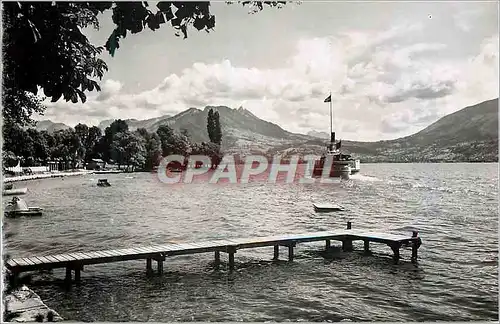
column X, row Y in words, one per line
column 454, row 206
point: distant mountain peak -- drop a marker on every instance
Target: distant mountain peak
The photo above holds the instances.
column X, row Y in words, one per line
column 322, row 135
column 50, row 126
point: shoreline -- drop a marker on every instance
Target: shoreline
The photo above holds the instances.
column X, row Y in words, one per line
column 59, row 174
column 24, row 305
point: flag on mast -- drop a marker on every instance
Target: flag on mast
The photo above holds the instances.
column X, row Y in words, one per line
column 328, row 99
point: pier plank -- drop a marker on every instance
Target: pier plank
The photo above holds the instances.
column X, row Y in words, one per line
column 114, row 253
column 222, row 243
column 84, row 255
column 11, row 263
column 20, row 262
column 156, row 248
column 142, row 250
column 35, row 260
column 136, row 251
column 99, row 254
column 51, row 259
column 106, row 254
column 75, row 256
column 205, row 244
column 127, row 251
column 192, row 246
column 59, row 258
column 163, row 248
column 93, row 255
column 179, row 247
column 69, row 257
column 28, row 261
column 43, row 259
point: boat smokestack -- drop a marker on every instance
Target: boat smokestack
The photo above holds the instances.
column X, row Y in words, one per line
column 332, row 137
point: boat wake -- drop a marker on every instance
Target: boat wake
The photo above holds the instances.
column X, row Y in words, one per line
column 360, row 177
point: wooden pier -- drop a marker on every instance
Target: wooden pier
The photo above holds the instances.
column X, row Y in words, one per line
column 74, row 262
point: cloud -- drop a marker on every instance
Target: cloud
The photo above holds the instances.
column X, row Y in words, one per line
column 108, row 89
column 384, row 84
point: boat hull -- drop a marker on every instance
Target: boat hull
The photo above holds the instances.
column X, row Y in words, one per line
column 339, row 169
column 327, row 208
column 32, row 211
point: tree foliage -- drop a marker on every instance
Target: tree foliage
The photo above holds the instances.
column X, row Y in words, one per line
column 213, row 127
column 44, row 45
column 173, row 143
column 138, row 149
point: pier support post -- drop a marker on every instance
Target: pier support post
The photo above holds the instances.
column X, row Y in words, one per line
column 160, row 266
column 149, row 266
column 217, row 258
column 290, row 251
column 78, row 273
column 231, row 261
column 276, row 252
column 395, row 249
column 366, row 247
column 327, row 245
column 13, row 278
column 68, row 276
column 231, row 251
column 159, row 261
column 347, row 245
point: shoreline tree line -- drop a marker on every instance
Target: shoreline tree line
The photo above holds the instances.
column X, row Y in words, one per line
column 138, row 150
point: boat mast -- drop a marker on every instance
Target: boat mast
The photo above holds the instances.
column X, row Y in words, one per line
column 331, row 115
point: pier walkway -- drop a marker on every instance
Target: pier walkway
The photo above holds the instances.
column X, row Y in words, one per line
column 74, row 262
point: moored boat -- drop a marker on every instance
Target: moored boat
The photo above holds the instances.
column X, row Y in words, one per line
column 340, row 165
column 14, row 191
column 18, row 207
column 318, row 207
column 103, row 183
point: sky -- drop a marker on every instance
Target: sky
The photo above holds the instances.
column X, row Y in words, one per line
column 393, row 68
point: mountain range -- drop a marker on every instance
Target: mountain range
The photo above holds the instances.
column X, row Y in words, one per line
column 470, row 134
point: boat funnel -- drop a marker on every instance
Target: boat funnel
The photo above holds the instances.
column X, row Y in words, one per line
column 332, row 137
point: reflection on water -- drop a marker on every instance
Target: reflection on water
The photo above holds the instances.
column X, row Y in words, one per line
column 453, row 205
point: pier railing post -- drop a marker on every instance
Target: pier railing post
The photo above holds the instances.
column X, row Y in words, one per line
column 414, row 247
column 347, row 242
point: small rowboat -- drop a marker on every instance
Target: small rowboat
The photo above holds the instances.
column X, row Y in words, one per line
column 32, row 211
column 12, row 192
column 103, row 183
